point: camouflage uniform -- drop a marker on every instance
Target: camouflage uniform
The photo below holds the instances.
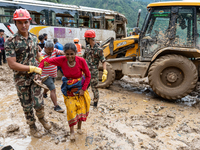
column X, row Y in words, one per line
column 93, row 56
column 30, row 95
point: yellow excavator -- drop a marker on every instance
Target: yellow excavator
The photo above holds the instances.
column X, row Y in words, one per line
column 166, row 49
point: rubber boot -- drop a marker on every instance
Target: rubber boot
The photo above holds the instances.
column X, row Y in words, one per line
column 45, row 123
column 34, row 131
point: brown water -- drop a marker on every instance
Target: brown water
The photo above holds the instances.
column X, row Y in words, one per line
column 130, row 116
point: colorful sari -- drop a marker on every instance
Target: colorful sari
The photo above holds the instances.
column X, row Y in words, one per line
column 77, row 107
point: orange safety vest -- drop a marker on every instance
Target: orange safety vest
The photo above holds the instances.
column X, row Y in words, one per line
column 79, row 48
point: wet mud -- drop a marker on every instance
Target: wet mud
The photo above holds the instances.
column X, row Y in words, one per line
column 130, row 116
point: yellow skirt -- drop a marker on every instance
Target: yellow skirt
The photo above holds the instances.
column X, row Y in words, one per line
column 77, row 108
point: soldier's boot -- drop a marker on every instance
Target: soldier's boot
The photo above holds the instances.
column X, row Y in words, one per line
column 42, row 119
column 45, row 123
column 34, row 131
column 95, row 103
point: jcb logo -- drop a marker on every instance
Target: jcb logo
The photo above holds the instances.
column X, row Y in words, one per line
column 120, row 44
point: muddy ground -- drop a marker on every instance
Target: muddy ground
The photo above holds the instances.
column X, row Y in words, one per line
column 130, row 116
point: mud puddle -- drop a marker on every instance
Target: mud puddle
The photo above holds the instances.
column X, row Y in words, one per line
column 129, row 117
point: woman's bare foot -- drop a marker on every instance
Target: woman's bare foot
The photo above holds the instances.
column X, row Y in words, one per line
column 79, row 131
column 72, row 137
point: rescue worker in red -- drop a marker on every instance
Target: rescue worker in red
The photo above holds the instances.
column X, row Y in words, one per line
column 78, row 46
column 21, row 52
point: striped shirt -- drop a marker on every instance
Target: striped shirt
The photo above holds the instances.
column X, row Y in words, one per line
column 50, row 70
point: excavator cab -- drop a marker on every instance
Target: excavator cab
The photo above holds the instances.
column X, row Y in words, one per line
column 168, row 26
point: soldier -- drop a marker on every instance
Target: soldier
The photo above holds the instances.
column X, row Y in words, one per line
column 21, row 52
column 93, row 54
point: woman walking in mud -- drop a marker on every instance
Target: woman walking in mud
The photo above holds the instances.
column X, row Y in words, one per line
column 74, row 87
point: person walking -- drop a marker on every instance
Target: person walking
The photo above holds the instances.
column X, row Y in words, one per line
column 93, row 54
column 22, row 51
column 51, row 70
column 74, row 87
column 2, row 51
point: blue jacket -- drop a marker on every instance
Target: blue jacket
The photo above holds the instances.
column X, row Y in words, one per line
column 59, row 47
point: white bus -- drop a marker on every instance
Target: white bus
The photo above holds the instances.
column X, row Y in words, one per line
column 64, row 22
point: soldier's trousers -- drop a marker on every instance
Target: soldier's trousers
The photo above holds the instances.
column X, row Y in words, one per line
column 94, row 82
column 30, row 96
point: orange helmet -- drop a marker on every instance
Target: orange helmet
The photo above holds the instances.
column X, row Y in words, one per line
column 21, row 14
column 76, row 40
column 90, row 34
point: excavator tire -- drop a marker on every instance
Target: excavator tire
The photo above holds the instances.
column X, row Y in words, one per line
column 172, row 76
column 110, row 76
column 118, row 74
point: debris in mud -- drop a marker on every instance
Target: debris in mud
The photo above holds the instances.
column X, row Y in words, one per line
column 195, row 144
column 135, row 84
column 158, row 108
column 55, row 126
column 185, row 128
column 57, row 141
column 148, row 132
column 89, row 140
column 154, row 121
column 123, row 110
column 12, row 128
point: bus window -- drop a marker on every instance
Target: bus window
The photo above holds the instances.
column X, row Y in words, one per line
column 33, row 20
column 120, row 30
column 84, row 19
column 84, row 22
column 2, row 17
column 71, row 22
column 110, row 24
column 96, row 24
column 81, row 23
column 98, row 21
column 43, row 17
column 39, row 17
column 59, row 21
column 65, row 20
column 35, row 17
column 6, row 15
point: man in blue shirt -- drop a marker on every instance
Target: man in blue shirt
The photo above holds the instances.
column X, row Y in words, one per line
column 58, row 46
